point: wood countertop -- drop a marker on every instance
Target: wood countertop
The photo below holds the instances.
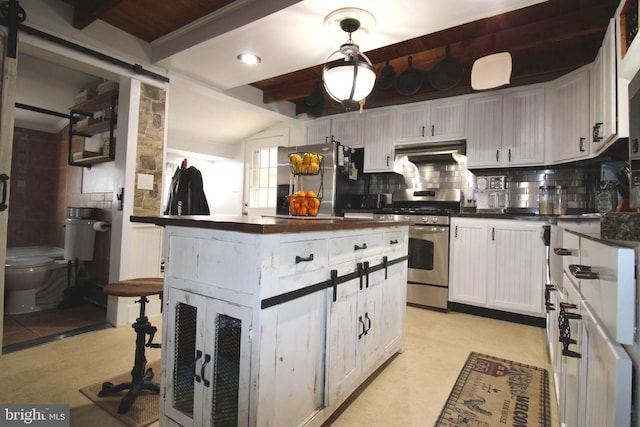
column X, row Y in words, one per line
column 266, row 224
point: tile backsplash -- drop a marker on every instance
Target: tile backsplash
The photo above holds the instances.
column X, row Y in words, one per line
column 522, row 183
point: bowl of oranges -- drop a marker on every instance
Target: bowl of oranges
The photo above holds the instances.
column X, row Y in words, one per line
column 304, row 203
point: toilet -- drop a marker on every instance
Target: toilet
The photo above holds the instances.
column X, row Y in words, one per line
column 36, row 276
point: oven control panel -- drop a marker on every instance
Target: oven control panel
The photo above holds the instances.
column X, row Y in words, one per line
column 416, row 219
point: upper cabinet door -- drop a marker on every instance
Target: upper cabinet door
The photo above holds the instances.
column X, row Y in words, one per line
column 484, row 133
column 604, row 98
column 379, row 151
column 431, row 121
column 318, row 131
column 448, row 120
column 347, row 129
column 412, row 122
column 570, row 131
column 523, row 131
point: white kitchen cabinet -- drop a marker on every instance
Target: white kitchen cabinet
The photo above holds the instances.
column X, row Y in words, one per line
column 498, row 264
column 607, row 376
column 604, row 99
column 379, row 150
column 484, row 131
column 594, row 378
column 523, row 135
column 507, row 129
column 345, row 128
column 253, row 335
column 345, row 326
column 208, row 366
column 570, row 130
column 468, row 261
column 571, row 398
column 516, row 267
column 440, row 120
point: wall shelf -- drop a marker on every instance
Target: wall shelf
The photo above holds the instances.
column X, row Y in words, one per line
column 105, row 102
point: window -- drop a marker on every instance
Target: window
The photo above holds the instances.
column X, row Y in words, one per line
column 263, row 177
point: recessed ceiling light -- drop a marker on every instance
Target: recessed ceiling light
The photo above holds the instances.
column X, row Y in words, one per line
column 249, row 58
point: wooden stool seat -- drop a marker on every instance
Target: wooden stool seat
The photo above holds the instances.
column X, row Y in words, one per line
column 135, row 287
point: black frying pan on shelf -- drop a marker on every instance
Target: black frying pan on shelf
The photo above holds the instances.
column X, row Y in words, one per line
column 410, row 80
column 447, row 73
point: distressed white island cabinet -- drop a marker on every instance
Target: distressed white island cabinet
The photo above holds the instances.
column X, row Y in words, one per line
column 275, row 321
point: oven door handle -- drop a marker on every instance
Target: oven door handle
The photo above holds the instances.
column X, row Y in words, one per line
column 428, row 229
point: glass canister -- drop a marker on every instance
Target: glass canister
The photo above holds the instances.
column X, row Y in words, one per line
column 546, row 196
column 560, row 201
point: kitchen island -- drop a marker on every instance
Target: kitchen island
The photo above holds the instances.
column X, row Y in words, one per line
column 275, row 321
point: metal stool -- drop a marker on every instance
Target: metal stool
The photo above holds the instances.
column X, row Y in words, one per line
column 140, row 376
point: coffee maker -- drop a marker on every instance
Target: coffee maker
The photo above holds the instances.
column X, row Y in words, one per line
column 492, row 194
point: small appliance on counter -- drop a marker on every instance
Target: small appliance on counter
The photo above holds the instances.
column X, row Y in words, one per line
column 492, row 194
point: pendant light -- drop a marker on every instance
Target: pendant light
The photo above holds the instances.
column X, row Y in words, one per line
column 349, row 81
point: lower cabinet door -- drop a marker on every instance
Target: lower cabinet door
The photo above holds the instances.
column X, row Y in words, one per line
column 607, row 377
column 394, row 296
column 296, row 391
column 343, row 363
column 207, row 351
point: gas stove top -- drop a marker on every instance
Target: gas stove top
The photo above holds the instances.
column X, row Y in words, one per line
column 422, row 205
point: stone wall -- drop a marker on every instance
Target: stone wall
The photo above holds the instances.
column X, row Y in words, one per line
column 149, row 157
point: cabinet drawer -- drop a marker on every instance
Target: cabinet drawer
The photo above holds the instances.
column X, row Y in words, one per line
column 303, row 257
column 395, row 243
column 350, row 248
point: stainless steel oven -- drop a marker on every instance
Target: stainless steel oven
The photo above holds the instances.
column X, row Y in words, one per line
column 428, row 265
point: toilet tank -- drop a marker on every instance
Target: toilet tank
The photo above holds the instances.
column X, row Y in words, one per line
column 79, row 239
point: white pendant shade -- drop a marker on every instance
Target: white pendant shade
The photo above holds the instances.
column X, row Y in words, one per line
column 491, row 71
column 348, row 81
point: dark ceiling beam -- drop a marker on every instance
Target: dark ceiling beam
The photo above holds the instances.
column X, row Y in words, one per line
column 578, row 29
column 87, row 11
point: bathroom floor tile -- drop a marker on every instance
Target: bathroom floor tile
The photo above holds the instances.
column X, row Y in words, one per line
column 19, row 328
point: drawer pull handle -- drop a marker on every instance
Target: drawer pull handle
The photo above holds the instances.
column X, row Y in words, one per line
column 363, row 327
column 393, row 242
column 571, row 353
column 567, row 305
column 366, row 316
column 300, row 259
column 562, row 252
column 207, row 359
column 583, row 272
column 198, row 356
column 357, row 248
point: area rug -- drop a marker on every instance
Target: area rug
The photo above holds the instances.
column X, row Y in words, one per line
column 145, row 409
column 492, row 392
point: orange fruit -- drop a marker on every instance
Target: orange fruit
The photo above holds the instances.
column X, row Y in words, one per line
column 310, row 194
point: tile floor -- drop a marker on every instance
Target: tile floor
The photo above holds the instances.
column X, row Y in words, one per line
column 21, row 330
column 410, row 391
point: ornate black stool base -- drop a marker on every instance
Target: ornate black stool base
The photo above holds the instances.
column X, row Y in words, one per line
column 141, row 376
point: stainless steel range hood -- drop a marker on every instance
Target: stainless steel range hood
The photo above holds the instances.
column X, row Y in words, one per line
column 427, row 152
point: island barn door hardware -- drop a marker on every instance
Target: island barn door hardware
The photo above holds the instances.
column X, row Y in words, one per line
column 362, row 270
column 12, row 16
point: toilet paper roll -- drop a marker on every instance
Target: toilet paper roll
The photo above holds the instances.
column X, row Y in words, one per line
column 101, row 226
